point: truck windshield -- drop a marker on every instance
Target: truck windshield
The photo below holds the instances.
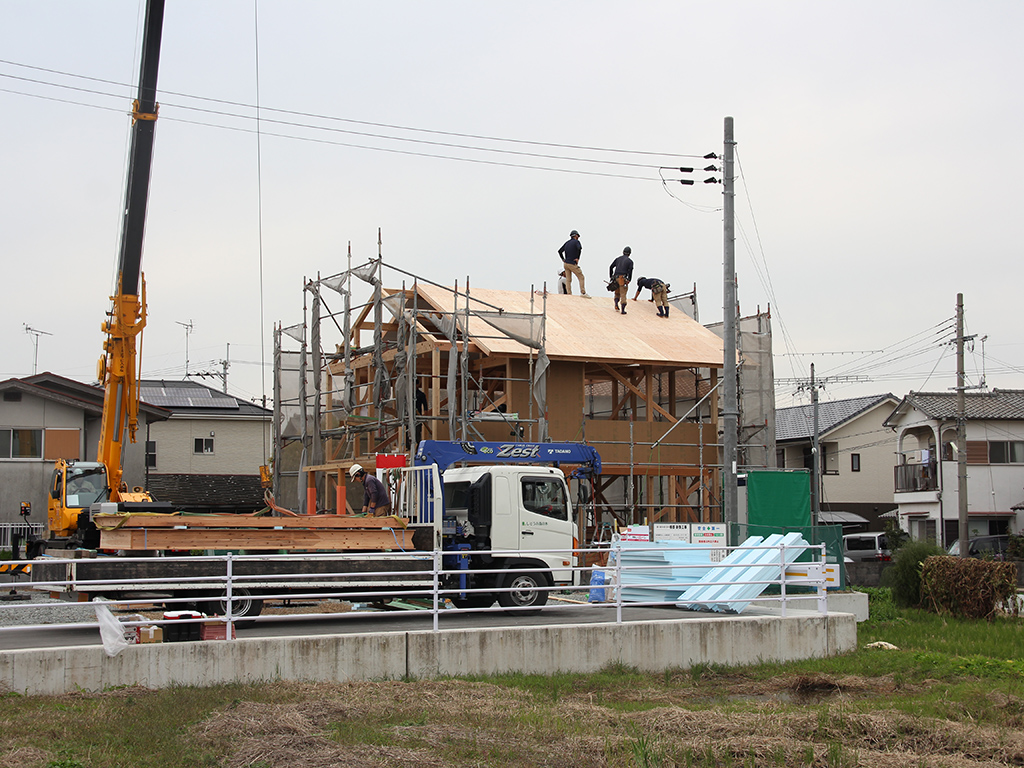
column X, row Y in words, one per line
column 86, row 486
column 545, row 496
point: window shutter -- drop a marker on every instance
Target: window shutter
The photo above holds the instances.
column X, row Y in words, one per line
column 977, row 451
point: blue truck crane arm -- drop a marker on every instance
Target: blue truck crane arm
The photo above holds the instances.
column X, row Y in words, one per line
column 444, row 453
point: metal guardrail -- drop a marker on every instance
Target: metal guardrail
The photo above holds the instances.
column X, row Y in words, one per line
column 233, row 589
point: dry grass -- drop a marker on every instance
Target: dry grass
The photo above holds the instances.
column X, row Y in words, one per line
column 721, row 719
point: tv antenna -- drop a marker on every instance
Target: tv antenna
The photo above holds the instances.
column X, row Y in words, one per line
column 188, row 330
column 35, row 343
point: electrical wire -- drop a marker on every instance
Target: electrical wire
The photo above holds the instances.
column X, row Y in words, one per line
column 367, row 123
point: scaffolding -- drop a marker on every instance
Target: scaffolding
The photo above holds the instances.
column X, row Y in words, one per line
column 428, row 361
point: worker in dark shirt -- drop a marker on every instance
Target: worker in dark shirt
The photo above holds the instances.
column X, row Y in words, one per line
column 659, row 293
column 375, row 495
column 621, row 272
column 570, row 253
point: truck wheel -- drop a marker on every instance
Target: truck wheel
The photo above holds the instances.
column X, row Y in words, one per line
column 244, row 603
column 523, row 593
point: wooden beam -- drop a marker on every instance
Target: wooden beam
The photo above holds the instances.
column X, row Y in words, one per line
column 636, row 391
column 165, row 521
column 159, row 539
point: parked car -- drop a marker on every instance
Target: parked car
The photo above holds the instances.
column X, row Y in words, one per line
column 983, row 546
column 871, row 547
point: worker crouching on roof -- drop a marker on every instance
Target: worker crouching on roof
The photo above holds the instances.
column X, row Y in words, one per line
column 659, row 293
column 375, row 495
column 621, row 272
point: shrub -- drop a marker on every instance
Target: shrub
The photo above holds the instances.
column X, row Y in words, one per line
column 1015, row 547
column 969, row 587
column 904, row 577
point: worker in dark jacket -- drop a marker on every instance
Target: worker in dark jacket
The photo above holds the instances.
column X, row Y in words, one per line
column 570, row 254
column 375, row 495
column 659, row 293
column 621, row 272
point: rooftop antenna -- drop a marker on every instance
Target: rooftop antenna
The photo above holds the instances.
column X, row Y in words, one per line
column 35, row 343
column 188, row 330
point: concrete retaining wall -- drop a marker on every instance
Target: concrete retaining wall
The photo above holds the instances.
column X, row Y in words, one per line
column 648, row 646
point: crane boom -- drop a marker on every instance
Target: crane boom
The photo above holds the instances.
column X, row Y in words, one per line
column 117, row 368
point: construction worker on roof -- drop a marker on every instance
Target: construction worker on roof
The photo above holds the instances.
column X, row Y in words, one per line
column 570, row 255
column 620, row 273
column 659, row 293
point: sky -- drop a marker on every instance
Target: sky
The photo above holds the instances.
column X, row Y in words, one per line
column 878, row 173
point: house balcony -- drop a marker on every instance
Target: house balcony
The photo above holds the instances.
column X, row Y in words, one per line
column 911, row 478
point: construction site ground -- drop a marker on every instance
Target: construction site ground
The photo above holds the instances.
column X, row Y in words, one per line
column 802, row 714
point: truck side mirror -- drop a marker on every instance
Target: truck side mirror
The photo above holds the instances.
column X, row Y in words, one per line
column 55, row 493
column 478, row 503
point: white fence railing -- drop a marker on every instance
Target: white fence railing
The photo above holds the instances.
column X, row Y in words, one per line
column 430, row 578
column 22, row 529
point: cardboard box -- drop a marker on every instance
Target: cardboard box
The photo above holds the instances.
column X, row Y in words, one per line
column 215, row 630
column 151, row 634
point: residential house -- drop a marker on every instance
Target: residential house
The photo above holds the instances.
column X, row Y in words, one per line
column 46, row 417
column 926, row 487
column 206, row 456
column 857, row 456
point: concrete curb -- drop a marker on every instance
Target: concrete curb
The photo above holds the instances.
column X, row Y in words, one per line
column 649, row 646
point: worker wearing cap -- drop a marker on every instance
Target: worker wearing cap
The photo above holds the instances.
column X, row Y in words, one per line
column 570, row 254
column 621, row 272
column 375, row 495
column 659, row 293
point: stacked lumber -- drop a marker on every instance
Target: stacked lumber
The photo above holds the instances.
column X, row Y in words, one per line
column 154, row 531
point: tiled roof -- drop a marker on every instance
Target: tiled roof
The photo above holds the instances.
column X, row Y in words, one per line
column 999, row 404
column 797, row 423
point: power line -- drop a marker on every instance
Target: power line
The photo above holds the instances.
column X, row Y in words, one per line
column 352, row 121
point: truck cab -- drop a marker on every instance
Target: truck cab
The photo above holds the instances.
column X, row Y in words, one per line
column 74, row 487
column 522, row 510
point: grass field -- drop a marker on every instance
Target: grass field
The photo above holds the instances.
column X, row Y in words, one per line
column 951, row 695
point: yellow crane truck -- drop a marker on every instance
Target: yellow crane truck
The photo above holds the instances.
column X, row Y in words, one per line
column 78, row 484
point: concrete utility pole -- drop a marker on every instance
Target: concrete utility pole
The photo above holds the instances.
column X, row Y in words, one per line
column 730, row 405
column 961, row 429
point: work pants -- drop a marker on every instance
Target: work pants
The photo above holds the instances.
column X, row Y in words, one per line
column 570, row 270
column 660, row 295
column 622, row 292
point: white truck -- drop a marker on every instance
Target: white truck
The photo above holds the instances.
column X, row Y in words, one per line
column 503, row 525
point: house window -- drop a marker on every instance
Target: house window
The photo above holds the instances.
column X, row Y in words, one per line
column 1006, row 452
column 780, row 458
column 203, row 445
column 21, row 443
column 855, row 462
column 151, row 454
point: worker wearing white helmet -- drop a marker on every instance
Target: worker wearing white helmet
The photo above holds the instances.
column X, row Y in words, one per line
column 375, row 494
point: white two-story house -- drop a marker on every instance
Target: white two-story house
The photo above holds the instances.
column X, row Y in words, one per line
column 857, row 456
column 926, row 475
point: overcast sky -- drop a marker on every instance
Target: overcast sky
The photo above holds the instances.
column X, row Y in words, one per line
column 879, row 168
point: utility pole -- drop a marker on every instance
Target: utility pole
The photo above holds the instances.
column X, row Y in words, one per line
column 814, row 384
column 730, row 405
column 961, row 429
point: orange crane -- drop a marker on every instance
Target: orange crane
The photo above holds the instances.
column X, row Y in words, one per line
column 77, row 484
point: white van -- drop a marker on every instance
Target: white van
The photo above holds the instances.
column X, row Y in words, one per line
column 870, row 547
